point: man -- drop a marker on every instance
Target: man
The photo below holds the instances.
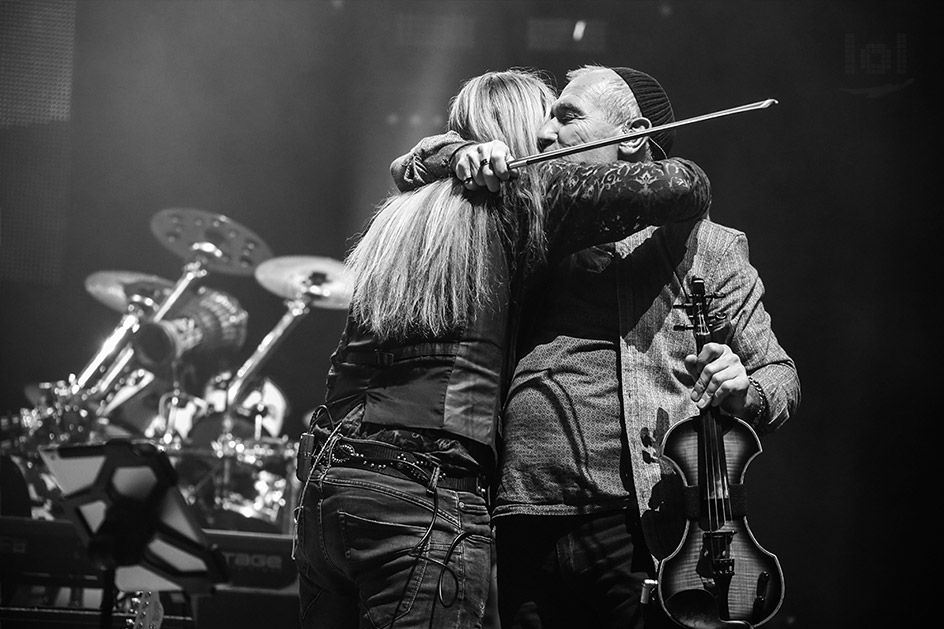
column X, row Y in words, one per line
column 585, row 500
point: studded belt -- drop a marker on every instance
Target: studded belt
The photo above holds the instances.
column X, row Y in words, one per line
column 399, row 463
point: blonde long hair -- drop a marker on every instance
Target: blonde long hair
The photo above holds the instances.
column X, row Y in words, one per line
column 422, row 266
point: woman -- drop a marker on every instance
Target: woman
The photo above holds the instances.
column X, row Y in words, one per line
column 392, row 527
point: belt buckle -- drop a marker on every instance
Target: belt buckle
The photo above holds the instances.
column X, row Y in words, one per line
column 343, row 452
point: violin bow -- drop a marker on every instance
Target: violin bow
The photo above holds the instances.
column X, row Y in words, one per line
column 569, row 150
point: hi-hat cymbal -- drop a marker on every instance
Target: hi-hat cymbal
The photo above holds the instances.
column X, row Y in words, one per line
column 116, row 289
column 223, row 244
column 294, row 276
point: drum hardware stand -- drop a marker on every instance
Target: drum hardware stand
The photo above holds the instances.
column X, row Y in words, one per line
column 137, row 310
column 303, row 281
column 193, row 272
column 81, row 394
column 300, row 295
column 260, row 413
column 215, row 241
column 169, row 408
column 74, row 394
column 117, row 347
column 227, row 445
column 136, row 380
column 296, row 309
column 210, row 242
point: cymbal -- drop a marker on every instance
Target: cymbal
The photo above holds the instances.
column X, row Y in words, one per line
column 225, row 245
column 115, row 289
column 294, row 276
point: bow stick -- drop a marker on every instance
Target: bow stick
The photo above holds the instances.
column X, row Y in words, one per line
column 541, row 157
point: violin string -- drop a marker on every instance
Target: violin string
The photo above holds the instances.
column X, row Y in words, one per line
column 719, row 508
column 725, row 507
column 716, row 476
column 725, row 488
column 715, row 466
column 708, row 434
column 722, row 508
column 706, row 463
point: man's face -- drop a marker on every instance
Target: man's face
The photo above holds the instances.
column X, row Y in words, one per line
column 576, row 119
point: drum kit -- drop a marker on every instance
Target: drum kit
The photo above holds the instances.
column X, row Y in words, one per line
column 225, row 438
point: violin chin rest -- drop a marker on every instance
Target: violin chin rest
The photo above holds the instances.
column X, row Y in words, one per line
column 698, row 609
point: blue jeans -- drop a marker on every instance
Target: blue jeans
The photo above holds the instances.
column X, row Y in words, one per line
column 373, row 550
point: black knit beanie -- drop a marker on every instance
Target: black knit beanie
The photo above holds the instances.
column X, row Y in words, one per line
column 653, row 103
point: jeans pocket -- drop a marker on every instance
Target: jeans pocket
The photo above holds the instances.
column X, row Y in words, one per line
column 474, row 516
column 476, row 553
column 388, row 562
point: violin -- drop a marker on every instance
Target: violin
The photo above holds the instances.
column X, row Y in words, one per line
column 718, row 576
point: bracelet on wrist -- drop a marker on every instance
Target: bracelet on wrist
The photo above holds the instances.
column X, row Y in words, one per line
column 764, row 403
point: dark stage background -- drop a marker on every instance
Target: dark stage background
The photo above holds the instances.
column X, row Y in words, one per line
column 284, row 116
